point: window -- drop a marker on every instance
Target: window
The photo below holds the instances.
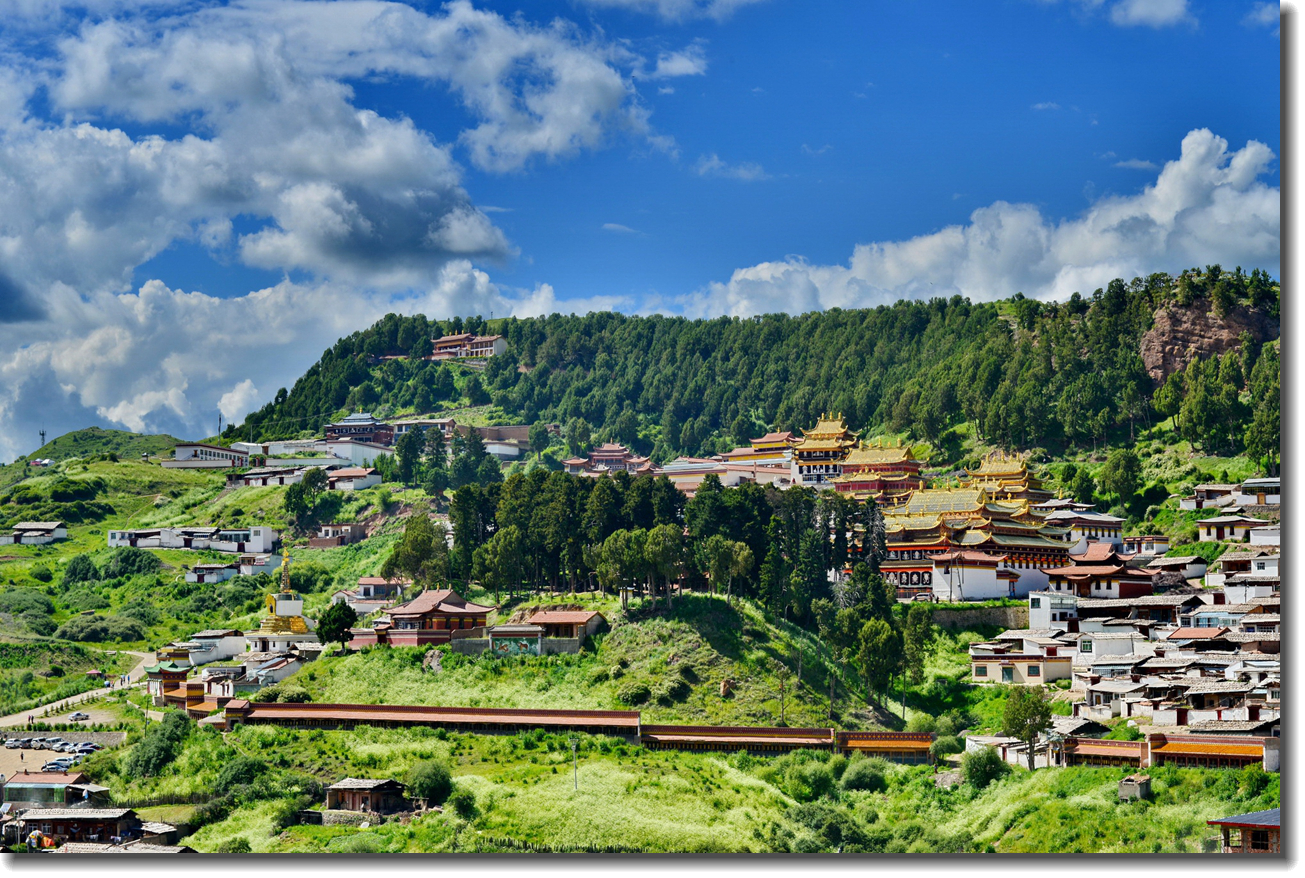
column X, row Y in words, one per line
column 1085, row 646
column 1035, row 603
column 1008, row 675
column 1035, row 671
column 980, row 670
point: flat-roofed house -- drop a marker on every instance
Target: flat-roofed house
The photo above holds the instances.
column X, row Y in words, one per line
column 1260, row 492
column 354, row 478
column 1028, row 663
column 81, row 824
column 34, row 533
column 1266, row 535
column 1149, row 544
column 1228, row 528
column 358, row 452
column 218, row 455
column 331, row 535
column 380, row 796
column 961, row 575
column 42, row 789
column 1186, row 566
column 210, row 573
column 1206, row 496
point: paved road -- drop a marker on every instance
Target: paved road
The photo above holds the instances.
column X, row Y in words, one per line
column 135, row 676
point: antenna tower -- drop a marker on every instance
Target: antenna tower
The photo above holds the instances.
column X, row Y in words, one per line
column 42, row 438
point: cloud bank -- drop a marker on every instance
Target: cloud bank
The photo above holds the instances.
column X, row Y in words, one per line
column 1206, row 206
column 234, row 128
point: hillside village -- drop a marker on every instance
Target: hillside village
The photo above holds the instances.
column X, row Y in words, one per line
column 1181, row 654
column 811, row 594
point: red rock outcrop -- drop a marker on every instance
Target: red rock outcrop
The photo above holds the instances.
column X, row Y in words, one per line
column 1182, row 334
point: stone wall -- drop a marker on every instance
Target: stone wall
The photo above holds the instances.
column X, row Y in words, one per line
column 960, row 619
column 470, row 646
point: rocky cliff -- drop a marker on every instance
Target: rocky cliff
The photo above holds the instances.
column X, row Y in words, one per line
column 1182, row 334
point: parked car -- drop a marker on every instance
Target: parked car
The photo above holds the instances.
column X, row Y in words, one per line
column 51, row 743
column 54, row 766
column 13, row 744
column 90, row 745
column 25, row 743
column 79, row 716
column 39, row 744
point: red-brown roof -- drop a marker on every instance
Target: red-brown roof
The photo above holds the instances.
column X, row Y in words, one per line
column 1195, row 633
column 51, row 777
column 563, row 617
column 421, row 714
column 381, row 580
column 352, row 472
column 1096, row 552
column 1086, row 571
column 973, row 557
column 444, row 600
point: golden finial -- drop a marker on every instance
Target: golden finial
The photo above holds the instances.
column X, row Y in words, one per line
column 285, row 570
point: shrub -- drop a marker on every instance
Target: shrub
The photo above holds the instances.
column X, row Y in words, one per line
column 633, row 694
column 865, row 775
column 921, row 722
column 463, row 803
column 237, row 845
column 22, row 601
column 100, row 629
column 945, row 745
column 240, row 771
column 807, row 781
column 80, row 569
column 981, row 767
column 670, row 690
column 431, row 781
column 159, row 747
column 41, row 573
column 131, row 561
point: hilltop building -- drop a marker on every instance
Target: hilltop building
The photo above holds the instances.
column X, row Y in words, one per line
column 467, row 344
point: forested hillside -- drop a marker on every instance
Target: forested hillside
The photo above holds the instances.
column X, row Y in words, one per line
column 1021, row 373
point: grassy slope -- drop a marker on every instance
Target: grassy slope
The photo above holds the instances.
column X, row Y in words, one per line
column 703, row 635
column 673, row 801
column 87, row 443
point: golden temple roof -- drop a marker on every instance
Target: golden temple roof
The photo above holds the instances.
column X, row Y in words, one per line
column 877, row 455
column 939, row 500
column 829, row 427
column 821, row 443
column 1001, row 463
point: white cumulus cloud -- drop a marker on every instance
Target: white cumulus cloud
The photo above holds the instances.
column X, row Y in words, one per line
column 1208, row 205
column 1151, row 13
column 713, row 166
column 678, row 10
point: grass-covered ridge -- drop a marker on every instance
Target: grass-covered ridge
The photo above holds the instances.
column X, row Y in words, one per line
column 524, row 795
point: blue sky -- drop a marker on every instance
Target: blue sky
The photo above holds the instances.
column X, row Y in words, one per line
column 198, row 199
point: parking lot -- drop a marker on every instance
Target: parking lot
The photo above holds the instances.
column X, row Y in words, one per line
column 12, row 761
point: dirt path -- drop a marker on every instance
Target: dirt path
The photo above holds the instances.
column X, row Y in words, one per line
column 135, row 676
